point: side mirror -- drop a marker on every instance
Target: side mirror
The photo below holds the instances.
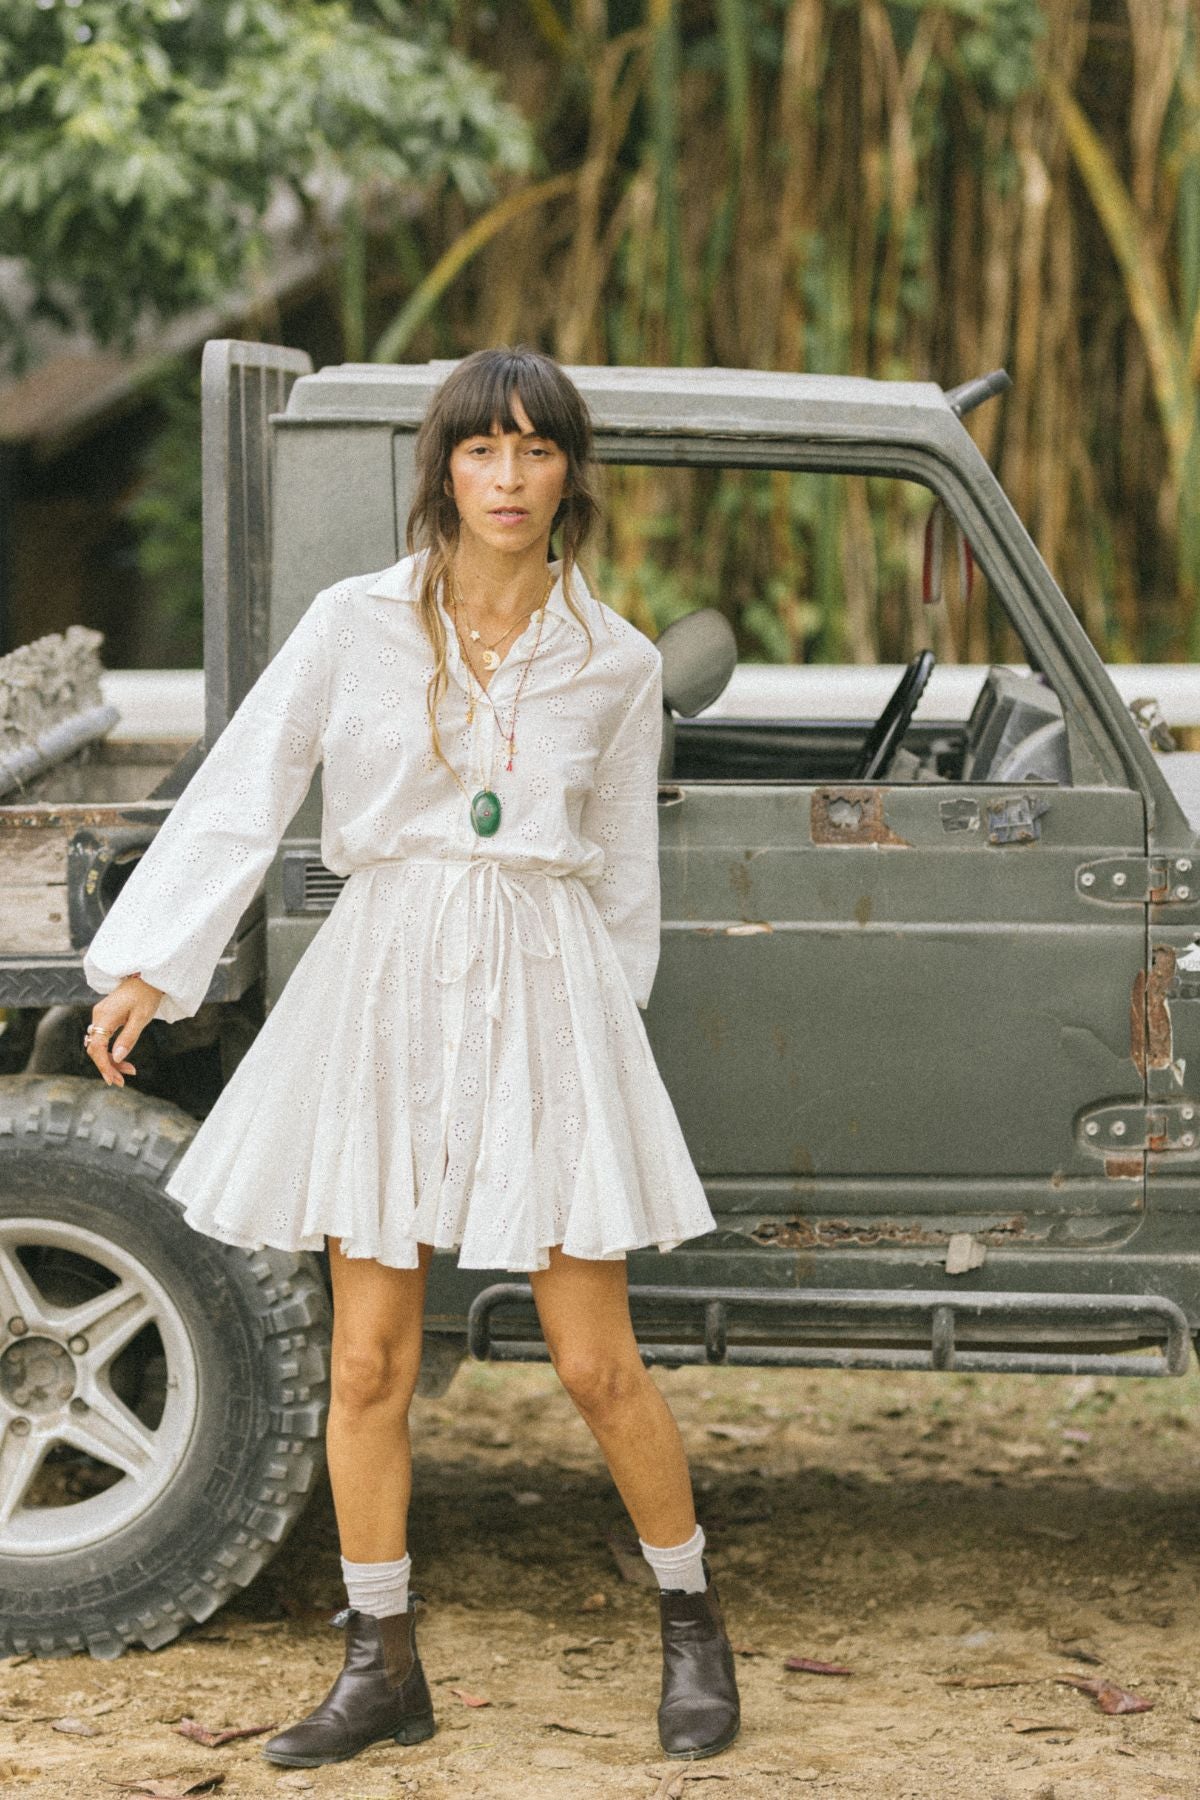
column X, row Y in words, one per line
column 699, row 655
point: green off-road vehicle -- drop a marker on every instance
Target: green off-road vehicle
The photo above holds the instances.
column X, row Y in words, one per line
column 928, row 1004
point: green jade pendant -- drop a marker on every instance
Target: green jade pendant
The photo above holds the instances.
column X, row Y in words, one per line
column 485, row 812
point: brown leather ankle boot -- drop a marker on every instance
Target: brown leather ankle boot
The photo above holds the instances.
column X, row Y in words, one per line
column 381, row 1692
column 700, row 1712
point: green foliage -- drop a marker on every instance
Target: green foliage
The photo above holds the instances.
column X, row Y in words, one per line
column 999, row 49
column 997, row 43
column 141, row 140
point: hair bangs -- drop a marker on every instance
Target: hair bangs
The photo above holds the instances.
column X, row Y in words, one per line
column 480, row 397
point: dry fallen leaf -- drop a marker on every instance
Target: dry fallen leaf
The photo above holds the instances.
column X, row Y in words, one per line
column 578, row 1730
column 211, row 1739
column 594, row 1603
column 169, row 1787
column 807, row 1666
column 1108, row 1696
column 76, row 1727
column 746, row 1650
column 1077, row 1651
column 1017, row 1723
column 469, row 1699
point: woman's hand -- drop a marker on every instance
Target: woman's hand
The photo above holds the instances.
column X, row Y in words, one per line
column 126, row 1011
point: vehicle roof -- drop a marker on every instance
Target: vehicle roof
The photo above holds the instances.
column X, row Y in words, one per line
column 739, row 402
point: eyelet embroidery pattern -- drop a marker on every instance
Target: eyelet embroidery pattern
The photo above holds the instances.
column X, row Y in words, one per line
column 494, row 1103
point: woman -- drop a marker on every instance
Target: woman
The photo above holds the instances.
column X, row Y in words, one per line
column 458, row 1060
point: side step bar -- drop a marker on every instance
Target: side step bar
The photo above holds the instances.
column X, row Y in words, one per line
column 934, row 1314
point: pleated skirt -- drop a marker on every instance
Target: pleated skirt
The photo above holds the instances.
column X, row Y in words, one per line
column 457, row 1059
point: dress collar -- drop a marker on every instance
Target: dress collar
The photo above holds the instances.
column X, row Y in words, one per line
column 400, row 582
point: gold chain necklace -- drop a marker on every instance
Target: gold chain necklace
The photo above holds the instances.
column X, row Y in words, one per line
column 485, row 802
column 488, row 656
column 495, row 661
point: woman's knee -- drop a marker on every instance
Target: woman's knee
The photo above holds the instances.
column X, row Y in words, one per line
column 597, row 1380
column 372, row 1373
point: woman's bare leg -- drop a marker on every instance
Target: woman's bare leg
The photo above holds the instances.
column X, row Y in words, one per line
column 378, row 1314
column 583, row 1307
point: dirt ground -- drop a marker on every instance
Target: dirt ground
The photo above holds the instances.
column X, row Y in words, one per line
column 958, row 1542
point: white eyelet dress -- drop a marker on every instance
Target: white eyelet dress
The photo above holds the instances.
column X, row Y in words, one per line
column 458, row 1058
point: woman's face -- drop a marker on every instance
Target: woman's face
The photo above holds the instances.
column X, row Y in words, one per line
column 507, row 485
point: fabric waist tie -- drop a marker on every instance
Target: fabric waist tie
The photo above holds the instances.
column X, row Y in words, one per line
column 484, row 905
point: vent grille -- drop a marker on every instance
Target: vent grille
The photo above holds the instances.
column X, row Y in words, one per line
column 308, row 886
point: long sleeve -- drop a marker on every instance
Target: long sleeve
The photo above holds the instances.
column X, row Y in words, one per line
column 184, row 897
column 621, row 815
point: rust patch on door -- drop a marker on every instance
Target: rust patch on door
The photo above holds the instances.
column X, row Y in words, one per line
column 1150, row 1038
column 1124, row 1168
column 828, row 1234
column 851, row 816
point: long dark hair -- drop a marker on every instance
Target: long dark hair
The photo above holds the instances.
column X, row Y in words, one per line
column 477, row 394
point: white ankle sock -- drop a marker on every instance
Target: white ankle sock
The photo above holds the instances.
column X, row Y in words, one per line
column 378, row 1588
column 678, row 1565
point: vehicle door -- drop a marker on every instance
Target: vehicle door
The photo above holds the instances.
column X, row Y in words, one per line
column 886, row 1002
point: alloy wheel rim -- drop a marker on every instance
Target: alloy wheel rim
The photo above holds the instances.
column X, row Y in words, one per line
column 56, row 1389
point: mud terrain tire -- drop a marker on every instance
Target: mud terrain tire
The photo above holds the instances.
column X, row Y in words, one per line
column 219, row 1405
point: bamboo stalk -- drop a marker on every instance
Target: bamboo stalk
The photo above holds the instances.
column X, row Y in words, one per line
column 395, row 339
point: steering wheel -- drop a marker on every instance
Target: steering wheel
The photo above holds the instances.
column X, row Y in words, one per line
column 895, row 718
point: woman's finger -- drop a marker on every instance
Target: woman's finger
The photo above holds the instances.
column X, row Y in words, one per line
column 96, row 1047
column 127, row 1036
column 121, row 1034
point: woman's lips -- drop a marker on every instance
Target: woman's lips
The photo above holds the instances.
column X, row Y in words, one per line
column 509, row 515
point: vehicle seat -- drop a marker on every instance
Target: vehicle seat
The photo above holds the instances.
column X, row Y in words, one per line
column 699, row 655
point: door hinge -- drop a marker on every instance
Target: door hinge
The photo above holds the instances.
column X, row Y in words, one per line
column 1136, row 880
column 1116, row 1131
